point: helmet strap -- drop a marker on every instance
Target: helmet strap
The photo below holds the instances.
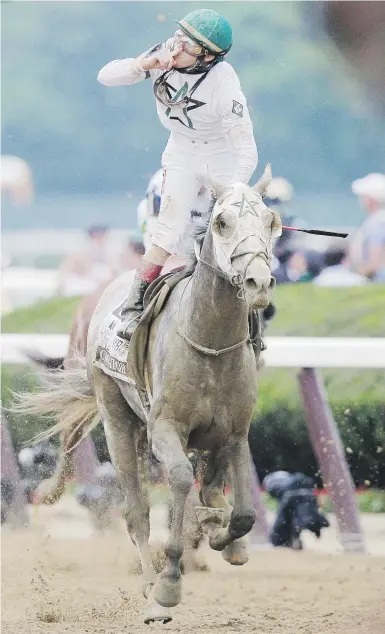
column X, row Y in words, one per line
column 200, row 66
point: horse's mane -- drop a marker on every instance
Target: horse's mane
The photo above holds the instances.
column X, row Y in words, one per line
column 195, row 233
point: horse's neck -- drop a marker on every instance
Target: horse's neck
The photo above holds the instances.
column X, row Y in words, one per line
column 215, row 317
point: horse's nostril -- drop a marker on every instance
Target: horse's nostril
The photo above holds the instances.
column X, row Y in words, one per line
column 250, row 284
column 272, row 284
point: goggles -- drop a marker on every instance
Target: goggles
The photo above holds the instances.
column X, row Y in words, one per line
column 188, row 45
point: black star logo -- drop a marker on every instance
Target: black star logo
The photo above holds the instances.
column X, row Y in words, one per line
column 246, row 207
column 188, row 104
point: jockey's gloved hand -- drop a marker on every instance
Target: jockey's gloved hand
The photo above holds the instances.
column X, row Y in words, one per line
column 269, row 312
column 161, row 60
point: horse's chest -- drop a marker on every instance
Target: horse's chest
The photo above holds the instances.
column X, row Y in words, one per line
column 212, row 405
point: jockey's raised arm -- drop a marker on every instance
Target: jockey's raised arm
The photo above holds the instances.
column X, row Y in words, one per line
column 125, row 72
column 122, row 72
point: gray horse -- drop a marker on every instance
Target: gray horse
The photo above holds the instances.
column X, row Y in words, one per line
column 201, row 369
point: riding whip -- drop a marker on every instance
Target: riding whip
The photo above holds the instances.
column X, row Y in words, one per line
column 318, row 232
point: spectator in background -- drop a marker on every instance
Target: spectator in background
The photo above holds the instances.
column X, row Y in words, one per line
column 336, row 271
column 366, row 254
column 83, row 271
column 279, row 193
column 293, row 267
column 298, row 508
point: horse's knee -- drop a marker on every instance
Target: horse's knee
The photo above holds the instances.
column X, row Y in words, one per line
column 174, row 549
column 181, row 476
column 241, row 523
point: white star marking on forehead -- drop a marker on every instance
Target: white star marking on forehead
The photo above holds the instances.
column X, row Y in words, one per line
column 246, row 207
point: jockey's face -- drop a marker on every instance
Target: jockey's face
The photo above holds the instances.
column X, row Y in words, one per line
column 184, row 60
column 190, row 50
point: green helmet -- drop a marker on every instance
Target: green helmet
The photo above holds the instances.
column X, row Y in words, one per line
column 209, row 29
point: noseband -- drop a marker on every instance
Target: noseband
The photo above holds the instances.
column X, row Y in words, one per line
column 237, row 279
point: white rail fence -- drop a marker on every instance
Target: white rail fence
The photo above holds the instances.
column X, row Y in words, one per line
column 282, row 352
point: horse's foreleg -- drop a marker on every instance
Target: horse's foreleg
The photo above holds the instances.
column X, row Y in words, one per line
column 122, row 429
column 216, row 511
column 167, row 447
column 242, row 516
column 193, row 536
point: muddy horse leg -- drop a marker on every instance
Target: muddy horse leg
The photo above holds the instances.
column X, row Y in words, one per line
column 168, row 449
column 230, row 539
column 217, row 512
column 122, row 429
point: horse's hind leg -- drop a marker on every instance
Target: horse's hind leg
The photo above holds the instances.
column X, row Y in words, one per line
column 122, row 429
column 168, row 448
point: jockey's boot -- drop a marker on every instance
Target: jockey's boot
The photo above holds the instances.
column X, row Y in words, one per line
column 133, row 306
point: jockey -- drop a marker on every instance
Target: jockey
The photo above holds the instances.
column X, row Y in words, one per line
column 200, row 101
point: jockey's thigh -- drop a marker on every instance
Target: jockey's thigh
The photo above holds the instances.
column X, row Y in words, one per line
column 151, row 225
column 179, row 194
column 221, row 166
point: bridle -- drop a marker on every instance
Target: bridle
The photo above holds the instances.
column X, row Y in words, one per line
column 236, row 280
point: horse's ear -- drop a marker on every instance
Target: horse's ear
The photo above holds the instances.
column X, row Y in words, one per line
column 218, row 189
column 276, row 225
column 272, row 221
column 261, row 186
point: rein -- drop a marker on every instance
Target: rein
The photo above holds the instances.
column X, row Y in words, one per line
column 236, row 280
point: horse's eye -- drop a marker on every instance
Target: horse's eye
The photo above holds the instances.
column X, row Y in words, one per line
column 225, row 224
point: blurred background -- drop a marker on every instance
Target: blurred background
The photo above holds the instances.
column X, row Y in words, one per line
column 77, row 159
column 90, row 151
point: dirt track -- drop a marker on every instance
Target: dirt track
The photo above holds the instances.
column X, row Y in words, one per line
column 52, row 585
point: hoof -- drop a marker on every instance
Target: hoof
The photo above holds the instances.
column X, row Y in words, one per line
column 167, row 593
column 236, row 553
column 156, row 613
column 210, row 518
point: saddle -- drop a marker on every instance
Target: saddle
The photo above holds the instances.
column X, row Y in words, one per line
column 154, row 300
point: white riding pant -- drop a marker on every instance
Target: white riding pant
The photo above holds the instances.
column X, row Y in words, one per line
column 187, row 166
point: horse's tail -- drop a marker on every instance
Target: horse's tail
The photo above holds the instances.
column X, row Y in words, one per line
column 40, row 359
column 67, row 396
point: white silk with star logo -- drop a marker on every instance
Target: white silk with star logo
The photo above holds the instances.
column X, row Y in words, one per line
column 208, row 114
